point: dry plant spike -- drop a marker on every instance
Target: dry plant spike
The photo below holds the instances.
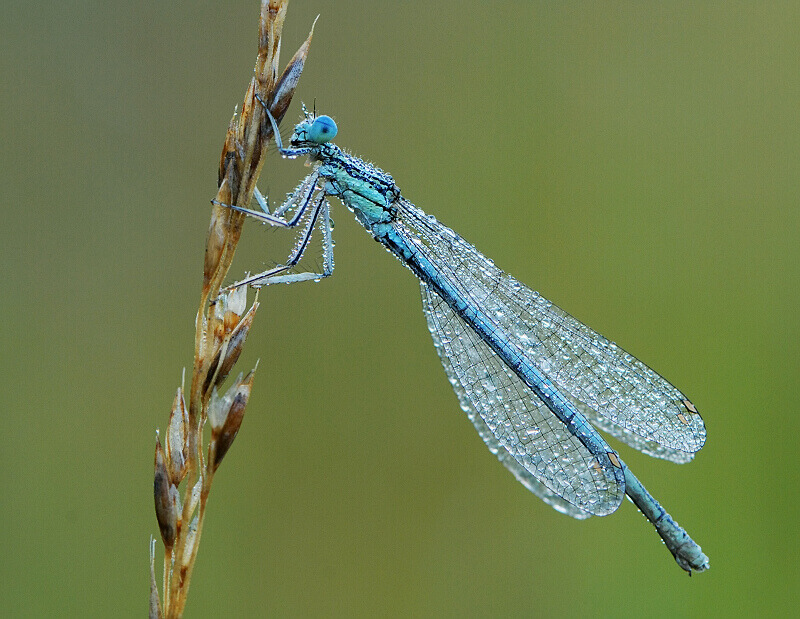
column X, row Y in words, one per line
column 221, row 326
column 245, row 144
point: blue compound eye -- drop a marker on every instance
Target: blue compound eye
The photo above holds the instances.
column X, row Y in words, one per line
column 322, row 130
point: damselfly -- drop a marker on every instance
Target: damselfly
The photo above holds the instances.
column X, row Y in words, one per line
column 533, row 380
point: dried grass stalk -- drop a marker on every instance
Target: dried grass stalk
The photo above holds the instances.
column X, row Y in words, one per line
column 221, row 328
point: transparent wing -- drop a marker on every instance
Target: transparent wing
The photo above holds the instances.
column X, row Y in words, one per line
column 516, row 425
column 615, row 391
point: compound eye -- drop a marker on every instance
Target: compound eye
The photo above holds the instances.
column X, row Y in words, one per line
column 322, row 130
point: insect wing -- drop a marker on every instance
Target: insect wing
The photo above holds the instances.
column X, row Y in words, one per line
column 615, row 391
column 515, row 424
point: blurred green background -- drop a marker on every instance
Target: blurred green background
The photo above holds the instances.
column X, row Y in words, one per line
column 637, row 164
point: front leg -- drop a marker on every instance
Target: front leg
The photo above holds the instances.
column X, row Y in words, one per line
column 299, row 201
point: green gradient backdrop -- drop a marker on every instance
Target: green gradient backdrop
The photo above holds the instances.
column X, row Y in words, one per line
column 637, row 164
